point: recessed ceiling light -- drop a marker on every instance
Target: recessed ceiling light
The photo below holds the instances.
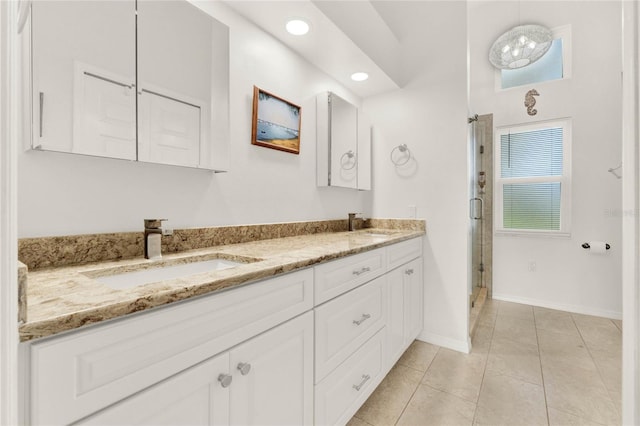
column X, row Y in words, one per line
column 359, row 76
column 297, row 27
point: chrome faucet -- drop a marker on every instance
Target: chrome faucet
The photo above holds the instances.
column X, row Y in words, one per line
column 153, row 238
column 352, row 217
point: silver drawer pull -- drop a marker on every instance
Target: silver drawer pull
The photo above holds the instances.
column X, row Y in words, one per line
column 362, row 270
column 409, row 271
column 362, row 319
column 244, row 368
column 225, row 380
column 365, row 377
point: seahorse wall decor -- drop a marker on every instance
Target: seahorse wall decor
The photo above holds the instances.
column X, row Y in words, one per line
column 530, row 101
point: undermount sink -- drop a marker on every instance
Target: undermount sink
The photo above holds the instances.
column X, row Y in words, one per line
column 378, row 234
column 140, row 277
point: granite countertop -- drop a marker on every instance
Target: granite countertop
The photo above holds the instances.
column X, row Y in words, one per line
column 65, row 298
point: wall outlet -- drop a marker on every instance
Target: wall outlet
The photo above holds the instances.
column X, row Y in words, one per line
column 533, row 267
column 413, row 211
column 167, row 231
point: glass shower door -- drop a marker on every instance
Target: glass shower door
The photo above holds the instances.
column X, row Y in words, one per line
column 480, row 205
column 476, row 213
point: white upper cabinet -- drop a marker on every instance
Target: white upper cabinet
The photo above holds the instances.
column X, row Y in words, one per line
column 344, row 144
column 153, row 90
column 83, row 56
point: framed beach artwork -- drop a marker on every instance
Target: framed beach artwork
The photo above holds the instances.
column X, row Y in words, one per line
column 276, row 122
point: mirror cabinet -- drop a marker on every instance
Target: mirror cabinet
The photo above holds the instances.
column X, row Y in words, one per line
column 343, row 144
column 143, row 81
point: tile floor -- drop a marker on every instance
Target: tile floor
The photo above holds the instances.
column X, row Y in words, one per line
column 528, row 366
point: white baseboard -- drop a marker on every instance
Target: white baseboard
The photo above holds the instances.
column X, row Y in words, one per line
column 445, row 342
column 577, row 309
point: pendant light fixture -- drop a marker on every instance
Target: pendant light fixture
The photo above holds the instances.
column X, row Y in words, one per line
column 520, row 46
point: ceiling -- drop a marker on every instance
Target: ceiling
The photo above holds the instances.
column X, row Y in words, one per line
column 382, row 38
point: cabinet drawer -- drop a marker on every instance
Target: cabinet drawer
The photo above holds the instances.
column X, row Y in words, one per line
column 403, row 252
column 78, row 374
column 339, row 276
column 192, row 397
column 346, row 322
column 339, row 396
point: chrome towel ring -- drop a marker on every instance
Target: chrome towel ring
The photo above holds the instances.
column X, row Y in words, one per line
column 405, row 155
column 350, row 159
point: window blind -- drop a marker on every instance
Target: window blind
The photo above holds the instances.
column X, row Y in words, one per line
column 527, row 156
column 532, row 206
column 531, row 154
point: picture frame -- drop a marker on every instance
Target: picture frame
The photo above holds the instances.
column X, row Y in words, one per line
column 276, row 122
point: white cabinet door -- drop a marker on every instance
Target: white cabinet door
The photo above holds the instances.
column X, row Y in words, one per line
column 413, row 300
column 395, row 326
column 169, row 130
column 196, row 396
column 406, row 289
column 273, row 376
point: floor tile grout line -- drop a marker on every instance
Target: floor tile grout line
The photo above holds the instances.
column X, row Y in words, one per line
column 416, row 389
column 484, row 371
column 598, row 369
column 449, row 393
column 544, row 386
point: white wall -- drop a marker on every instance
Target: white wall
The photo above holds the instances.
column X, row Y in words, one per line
column 429, row 115
column 63, row 194
column 567, row 276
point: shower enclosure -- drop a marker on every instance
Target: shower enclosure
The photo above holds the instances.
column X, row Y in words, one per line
column 480, row 209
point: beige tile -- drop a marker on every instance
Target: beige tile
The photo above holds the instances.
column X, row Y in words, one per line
column 616, row 397
column 552, row 320
column 492, row 304
column 386, row 403
column 419, row 355
column 559, row 349
column 515, row 310
column 508, row 401
column 579, row 391
column 457, row 373
column 516, row 360
column 488, row 319
column 618, row 324
column 609, row 363
column 489, row 312
column 561, row 418
column 598, row 332
column 357, row 422
column 481, row 341
column 433, row 407
column 522, row 331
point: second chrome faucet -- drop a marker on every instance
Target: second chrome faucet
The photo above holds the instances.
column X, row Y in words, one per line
column 153, row 238
column 352, row 220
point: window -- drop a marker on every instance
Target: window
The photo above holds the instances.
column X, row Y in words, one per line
column 533, row 178
column 554, row 65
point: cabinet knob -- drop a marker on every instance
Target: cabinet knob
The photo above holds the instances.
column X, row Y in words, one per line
column 244, row 368
column 409, row 271
column 225, row 380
